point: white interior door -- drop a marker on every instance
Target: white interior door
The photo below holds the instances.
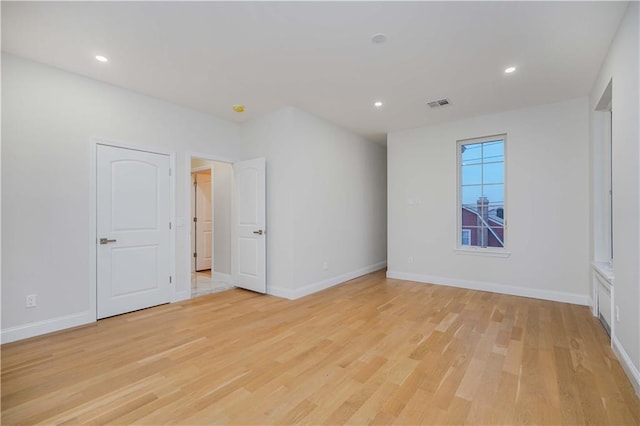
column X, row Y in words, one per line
column 250, row 220
column 203, row 220
column 133, row 211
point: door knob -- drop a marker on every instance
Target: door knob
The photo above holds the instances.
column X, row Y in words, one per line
column 259, row 232
column 106, row 241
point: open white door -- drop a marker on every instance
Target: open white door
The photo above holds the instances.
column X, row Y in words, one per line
column 250, row 220
column 133, row 246
column 202, row 220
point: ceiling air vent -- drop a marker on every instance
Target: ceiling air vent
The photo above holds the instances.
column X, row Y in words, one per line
column 439, row 103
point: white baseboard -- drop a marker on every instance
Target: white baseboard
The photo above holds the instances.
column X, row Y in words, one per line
column 33, row 329
column 179, row 296
column 281, row 292
column 324, row 284
column 556, row 296
column 627, row 364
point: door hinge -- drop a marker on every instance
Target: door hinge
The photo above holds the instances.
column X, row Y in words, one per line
column 169, row 279
column 195, row 219
column 195, row 254
column 169, row 225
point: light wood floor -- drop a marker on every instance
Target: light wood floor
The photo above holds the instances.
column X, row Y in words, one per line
column 373, row 350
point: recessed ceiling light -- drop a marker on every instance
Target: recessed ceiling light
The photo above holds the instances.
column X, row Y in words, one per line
column 377, row 104
column 378, row 38
column 101, row 58
column 509, row 70
column 238, row 108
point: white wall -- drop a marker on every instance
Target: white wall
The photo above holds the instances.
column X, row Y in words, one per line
column 621, row 66
column 270, row 136
column 49, row 117
column 325, row 202
column 326, row 192
column 340, row 195
column 547, row 202
column 222, row 188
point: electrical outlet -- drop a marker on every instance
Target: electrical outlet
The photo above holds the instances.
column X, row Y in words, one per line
column 31, row 301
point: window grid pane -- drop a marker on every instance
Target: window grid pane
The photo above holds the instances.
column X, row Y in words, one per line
column 482, row 194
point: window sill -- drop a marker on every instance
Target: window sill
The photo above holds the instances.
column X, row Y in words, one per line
column 482, row 252
column 605, row 270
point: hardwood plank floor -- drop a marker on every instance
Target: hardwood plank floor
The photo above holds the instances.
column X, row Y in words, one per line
column 373, row 350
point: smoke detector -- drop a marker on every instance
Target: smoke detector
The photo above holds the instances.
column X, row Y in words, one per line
column 439, row 103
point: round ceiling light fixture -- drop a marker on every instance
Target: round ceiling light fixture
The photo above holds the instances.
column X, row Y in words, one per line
column 101, row 58
column 509, row 70
column 378, row 38
column 238, row 108
column 377, row 104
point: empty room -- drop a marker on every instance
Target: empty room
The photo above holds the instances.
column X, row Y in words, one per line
column 320, row 212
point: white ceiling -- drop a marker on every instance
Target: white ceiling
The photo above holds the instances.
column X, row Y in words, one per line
column 318, row 56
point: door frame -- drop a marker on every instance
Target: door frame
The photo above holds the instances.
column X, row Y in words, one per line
column 198, row 170
column 188, row 259
column 93, row 216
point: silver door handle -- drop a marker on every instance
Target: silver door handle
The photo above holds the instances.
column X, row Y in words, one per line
column 259, row 232
column 106, row 241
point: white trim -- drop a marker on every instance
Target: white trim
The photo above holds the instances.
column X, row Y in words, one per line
column 38, row 328
column 482, row 251
column 179, row 296
column 172, row 232
column 324, row 284
column 627, row 364
column 200, row 169
column 286, row 293
column 556, row 296
column 208, row 157
column 118, row 144
column 605, row 271
column 94, row 142
column 603, row 277
column 93, row 236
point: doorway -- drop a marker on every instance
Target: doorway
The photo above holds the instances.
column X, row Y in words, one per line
column 603, row 212
column 210, row 235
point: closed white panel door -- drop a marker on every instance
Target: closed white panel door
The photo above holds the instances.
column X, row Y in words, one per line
column 132, row 196
column 250, row 220
column 203, row 223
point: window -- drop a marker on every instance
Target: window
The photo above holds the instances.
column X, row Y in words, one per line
column 602, row 185
column 466, row 237
column 481, row 172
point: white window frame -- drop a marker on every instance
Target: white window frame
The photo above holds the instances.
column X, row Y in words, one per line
column 475, row 250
